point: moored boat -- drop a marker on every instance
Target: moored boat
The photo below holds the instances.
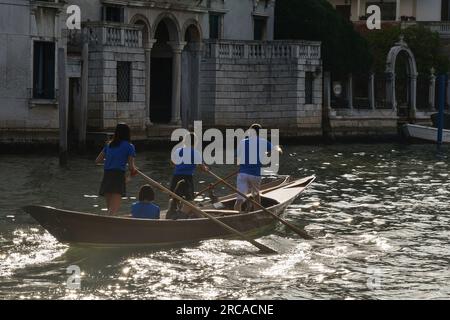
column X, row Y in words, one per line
column 87, row 229
column 425, row 133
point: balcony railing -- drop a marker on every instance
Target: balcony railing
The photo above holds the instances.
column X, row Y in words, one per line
column 117, row 35
column 229, row 49
column 441, row 27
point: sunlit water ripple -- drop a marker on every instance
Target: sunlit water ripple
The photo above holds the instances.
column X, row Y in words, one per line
column 379, row 215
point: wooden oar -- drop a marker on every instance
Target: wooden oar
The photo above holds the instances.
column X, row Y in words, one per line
column 297, row 230
column 157, row 185
column 216, row 183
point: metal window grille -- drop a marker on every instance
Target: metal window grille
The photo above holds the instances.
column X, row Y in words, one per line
column 123, row 81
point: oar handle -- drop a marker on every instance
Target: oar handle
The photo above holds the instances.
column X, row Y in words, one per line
column 297, row 230
column 159, row 186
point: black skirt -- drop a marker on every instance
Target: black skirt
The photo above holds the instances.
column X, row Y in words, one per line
column 113, row 182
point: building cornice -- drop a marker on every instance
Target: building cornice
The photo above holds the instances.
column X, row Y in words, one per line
column 56, row 4
column 194, row 7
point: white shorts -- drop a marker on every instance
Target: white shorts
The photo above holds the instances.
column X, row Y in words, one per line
column 248, row 184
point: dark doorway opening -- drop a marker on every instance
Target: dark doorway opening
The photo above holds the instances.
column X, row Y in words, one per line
column 161, row 90
column 161, row 76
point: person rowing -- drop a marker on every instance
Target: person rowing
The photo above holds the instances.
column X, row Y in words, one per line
column 186, row 159
column 249, row 153
column 115, row 156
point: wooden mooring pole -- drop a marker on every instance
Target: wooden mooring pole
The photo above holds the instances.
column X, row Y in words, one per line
column 442, row 89
column 62, row 106
column 84, row 96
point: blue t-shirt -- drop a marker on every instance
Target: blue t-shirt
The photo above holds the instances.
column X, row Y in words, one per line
column 145, row 210
column 116, row 158
column 186, row 160
column 250, row 152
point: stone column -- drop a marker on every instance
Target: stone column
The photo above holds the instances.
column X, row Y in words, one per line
column 358, row 10
column 390, row 90
column 197, row 49
column 413, row 93
column 397, row 11
column 432, row 92
column 148, row 61
column 350, row 92
column 177, row 48
column 84, row 91
column 372, row 91
column 327, row 90
column 448, row 91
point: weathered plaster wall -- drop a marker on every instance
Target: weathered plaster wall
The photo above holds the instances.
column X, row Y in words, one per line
column 18, row 29
column 104, row 111
column 239, row 92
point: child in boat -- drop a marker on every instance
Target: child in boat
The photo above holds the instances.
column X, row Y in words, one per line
column 145, row 208
column 115, row 156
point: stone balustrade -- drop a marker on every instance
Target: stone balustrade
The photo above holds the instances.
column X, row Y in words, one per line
column 441, row 27
column 226, row 49
column 113, row 34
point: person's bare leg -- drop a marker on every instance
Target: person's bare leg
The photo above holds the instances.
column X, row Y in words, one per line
column 114, row 204
column 108, row 200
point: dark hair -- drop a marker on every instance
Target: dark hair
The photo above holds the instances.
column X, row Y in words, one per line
column 256, row 127
column 146, row 193
column 122, row 133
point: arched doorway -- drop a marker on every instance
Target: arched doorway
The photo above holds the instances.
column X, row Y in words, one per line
column 162, row 81
column 405, row 90
column 190, row 74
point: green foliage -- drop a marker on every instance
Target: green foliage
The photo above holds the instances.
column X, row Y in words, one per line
column 425, row 45
column 343, row 49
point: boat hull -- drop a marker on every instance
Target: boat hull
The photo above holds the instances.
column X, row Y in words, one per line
column 85, row 229
column 425, row 133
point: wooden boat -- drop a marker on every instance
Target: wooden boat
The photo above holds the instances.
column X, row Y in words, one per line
column 86, row 229
column 425, row 133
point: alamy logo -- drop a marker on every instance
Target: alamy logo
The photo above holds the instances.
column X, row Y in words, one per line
column 374, row 278
column 74, row 280
column 73, row 21
column 251, row 148
column 374, row 20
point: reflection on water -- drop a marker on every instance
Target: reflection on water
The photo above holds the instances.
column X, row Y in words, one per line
column 379, row 215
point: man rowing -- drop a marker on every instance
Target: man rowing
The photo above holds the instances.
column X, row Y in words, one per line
column 250, row 152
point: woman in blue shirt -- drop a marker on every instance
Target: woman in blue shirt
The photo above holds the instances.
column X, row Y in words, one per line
column 116, row 155
column 145, row 208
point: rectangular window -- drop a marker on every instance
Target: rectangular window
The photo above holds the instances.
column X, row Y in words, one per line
column 123, row 81
column 345, row 11
column 44, row 70
column 259, row 28
column 388, row 9
column 113, row 14
column 215, row 26
column 445, row 13
column 309, row 82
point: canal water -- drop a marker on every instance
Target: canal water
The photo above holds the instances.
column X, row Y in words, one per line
column 379, row 215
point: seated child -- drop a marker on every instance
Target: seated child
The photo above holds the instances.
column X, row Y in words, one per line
column 145, row 208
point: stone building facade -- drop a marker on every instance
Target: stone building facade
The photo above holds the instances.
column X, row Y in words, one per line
column 156, row 65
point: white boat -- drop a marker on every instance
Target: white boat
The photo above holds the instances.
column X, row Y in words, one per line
column 425, row 133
